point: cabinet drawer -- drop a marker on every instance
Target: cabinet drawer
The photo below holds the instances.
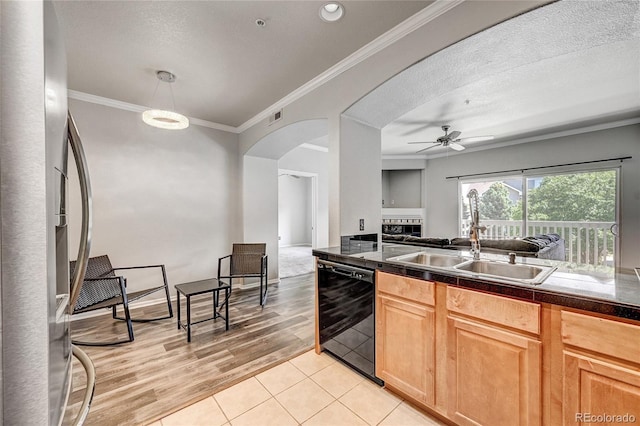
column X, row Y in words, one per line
column 517, row 314
column 408, row 288
column 600, row 335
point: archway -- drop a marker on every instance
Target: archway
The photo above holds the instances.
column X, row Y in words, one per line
column 301, row 149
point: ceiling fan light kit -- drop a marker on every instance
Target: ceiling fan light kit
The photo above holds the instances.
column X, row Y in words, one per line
column 164, row 119
column 450, row 140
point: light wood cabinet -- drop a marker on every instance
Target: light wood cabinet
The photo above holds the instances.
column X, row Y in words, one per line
column 494, row 372
column 482, row 359
column 601, row 370
column 405, row 331
column 498, row 310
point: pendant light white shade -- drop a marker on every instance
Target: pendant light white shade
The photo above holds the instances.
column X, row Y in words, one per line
column 164, row 119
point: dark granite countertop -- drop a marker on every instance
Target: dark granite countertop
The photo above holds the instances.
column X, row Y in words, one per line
column 605, row 293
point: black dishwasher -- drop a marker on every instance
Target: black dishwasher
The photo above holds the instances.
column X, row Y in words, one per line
column 346, row 313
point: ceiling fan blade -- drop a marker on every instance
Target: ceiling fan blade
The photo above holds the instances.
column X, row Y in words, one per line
column 476, row 139
column 422, row 150
column 421, row 142
column 456, row 146
column 453, row 135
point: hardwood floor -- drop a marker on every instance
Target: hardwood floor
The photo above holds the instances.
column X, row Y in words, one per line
column 160, row 373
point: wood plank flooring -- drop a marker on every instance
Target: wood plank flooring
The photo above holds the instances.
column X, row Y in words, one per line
column 159, row 373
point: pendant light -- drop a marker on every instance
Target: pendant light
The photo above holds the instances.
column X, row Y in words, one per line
column 164, row 119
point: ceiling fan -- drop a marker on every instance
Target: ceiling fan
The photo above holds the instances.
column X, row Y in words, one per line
column 451, row 140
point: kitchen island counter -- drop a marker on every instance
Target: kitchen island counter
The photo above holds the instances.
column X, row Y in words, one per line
column 610, row 294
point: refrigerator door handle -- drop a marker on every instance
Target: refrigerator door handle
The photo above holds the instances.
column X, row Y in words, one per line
column 90, row 372
column 85, row 193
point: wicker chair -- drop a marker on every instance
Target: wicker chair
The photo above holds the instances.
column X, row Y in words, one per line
column 247, row 260
column 101, row 288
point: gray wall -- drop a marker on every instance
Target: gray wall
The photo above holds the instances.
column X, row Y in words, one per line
column 402, row 188
column 260, row 206
column 360, row 179
column 385, row 188
column 294, row 210
column 403, row 164
column 159, row 197
column 316, row 162
column 442, row 194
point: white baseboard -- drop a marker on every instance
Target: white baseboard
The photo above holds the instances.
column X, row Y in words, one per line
column 243, row 285
column 151, row 302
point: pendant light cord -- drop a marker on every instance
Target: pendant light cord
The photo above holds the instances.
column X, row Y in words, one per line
column 173, row 101
column 154, row 92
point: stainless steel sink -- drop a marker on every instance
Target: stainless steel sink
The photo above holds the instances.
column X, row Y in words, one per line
column 528, row 274
column 429, row 259
column 487, row 269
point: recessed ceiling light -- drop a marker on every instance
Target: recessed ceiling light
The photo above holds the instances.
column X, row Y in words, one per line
column 331, row 12
column 331, row 7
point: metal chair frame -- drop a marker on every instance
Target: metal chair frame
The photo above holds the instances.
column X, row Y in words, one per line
column 142, row 293
column 119, row 296
column 242, row 270
column 120, row 299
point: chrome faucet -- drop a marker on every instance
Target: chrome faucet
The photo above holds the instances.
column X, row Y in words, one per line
column 475, row 224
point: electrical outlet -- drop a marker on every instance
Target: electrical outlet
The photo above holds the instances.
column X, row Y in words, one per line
column 362, row 224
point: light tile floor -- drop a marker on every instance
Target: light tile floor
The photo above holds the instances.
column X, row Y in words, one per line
column 313, row 390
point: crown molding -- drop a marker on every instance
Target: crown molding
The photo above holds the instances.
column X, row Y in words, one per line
column 112, row 103
column 404, row 28
column 426, row 15
column 94, row 99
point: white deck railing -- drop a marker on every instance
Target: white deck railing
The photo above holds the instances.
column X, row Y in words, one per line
column 585, row 242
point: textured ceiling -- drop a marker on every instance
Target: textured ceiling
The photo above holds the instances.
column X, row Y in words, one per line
column 228, row 69
column 566, row 65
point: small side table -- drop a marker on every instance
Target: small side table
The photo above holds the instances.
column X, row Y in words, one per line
column 210, row 285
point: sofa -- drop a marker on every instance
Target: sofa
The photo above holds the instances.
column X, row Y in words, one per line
column 543, row 246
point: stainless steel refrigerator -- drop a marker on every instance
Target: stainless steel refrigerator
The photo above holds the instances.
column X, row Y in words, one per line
column 35, row 287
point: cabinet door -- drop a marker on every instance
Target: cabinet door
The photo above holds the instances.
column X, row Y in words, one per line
column 405, row 346
column 493, row 376
column 594, row 387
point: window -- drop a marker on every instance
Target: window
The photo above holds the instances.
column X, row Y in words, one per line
column 578, row 206
column 500, row 202
column 581, row 208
